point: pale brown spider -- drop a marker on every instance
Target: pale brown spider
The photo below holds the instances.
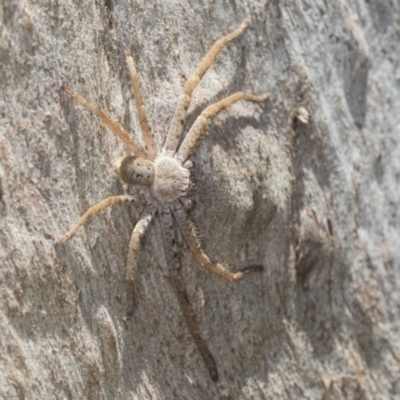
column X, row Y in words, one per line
column 163, row 176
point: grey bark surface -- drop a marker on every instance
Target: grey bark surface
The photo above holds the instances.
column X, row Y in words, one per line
column 316, row 203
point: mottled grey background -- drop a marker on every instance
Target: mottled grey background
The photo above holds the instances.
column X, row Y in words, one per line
column 316, row 203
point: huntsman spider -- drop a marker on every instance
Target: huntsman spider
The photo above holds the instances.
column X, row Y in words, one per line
column 162, row 174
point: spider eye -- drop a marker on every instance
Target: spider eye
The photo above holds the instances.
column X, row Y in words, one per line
column 135, row 171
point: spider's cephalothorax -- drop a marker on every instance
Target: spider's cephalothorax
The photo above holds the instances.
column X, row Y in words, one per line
column 162, row 174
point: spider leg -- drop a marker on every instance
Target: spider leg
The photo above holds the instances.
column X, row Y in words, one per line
column 100, row 206
column 168, row 236
column 114, row 126
column 137, row 233
column 188, row 144
column 137, row 94
column 175, row 130
column 174, row 261
column 188, row 230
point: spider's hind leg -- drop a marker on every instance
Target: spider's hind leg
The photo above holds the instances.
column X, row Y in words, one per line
column 137, row 233
column 174, row 260
column 118, row 130
column 92, row 211
column 141, row 110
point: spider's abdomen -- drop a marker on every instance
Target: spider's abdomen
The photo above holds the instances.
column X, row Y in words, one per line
column 171, row 180
column 135, row 171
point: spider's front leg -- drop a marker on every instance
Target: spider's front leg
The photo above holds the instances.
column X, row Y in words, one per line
column 197, row 129
column 176, row 128
column 92, row 211
column 188, row 230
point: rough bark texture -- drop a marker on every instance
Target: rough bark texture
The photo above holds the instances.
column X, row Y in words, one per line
column 316, row 203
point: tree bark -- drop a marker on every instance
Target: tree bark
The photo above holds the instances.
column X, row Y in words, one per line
column 306, row 184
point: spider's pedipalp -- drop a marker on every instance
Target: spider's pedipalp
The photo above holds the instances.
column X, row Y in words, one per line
column 175, row 130
column 189, row 143
column 141, row 110
column 100, row 206
column 187, row 164
column 137, row 233
column 189, row 233
column 186, row 203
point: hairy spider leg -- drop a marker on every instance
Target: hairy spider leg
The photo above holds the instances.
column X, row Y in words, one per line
column 189, row 233
column 100, row 206
column 189, row 143
column 137, row 94
column 176, row 128
column 114, row 126
column 137, row 233
column 176, row 280
column 168, row 236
